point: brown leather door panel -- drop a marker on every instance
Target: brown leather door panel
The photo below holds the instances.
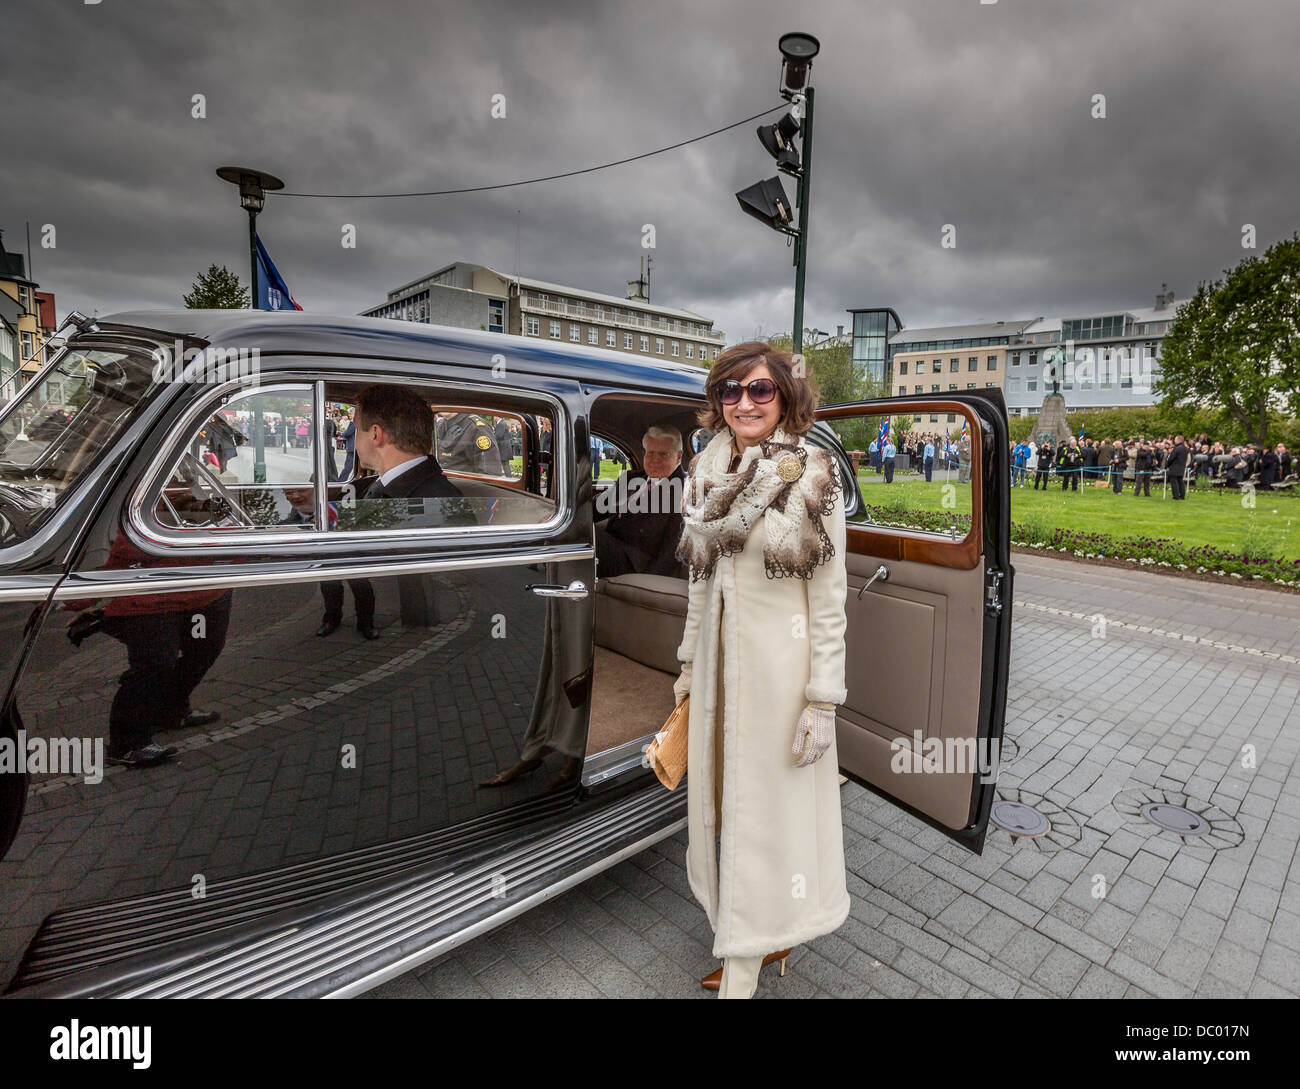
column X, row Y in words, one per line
column 911, row 667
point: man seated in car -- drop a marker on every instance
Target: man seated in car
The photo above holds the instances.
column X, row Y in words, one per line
column 394, row 436
column 639, row 519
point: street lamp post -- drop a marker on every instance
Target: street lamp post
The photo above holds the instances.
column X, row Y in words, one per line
column 801, row 242
column 253, row 185
column 766, row 200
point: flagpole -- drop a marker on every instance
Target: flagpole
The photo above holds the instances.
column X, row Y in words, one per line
column 259, row 443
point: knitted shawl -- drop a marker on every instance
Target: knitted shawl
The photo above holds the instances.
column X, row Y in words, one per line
column 793, row 484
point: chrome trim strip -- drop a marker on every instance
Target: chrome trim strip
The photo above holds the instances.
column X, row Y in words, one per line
column 19, row 590
column 161, row 537
column 614, row 761
column 155, row 580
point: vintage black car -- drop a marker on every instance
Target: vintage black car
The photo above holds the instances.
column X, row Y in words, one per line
column 363, row 804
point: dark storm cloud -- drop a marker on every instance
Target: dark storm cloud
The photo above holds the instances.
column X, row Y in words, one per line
column 928, row 113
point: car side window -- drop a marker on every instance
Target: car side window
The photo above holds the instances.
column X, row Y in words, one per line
column 423, row 458
column 246, row 465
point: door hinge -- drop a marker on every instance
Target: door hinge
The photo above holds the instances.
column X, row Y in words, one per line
column 993, row 593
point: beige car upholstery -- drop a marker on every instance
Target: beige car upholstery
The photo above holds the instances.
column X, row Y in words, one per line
column 642, row 617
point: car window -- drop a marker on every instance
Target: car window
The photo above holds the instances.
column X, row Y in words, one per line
column 247, row 465
column 55, row 431
column 459, row 465
column 911, row 474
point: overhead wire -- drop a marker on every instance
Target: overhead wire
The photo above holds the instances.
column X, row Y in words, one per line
column 535, row 181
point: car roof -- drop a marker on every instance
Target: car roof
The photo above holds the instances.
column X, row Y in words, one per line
column 274, row 331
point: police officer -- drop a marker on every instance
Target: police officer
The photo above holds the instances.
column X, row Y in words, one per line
column 887, row 452
column 467, row 443
column 1068, row 465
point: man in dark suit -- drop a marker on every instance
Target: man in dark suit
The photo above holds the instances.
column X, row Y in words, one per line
column 1268, row 466
column 638, row 532
column 1176, row 467
column 394, row 436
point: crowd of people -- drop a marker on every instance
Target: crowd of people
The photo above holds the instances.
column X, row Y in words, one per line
column 1173, row 459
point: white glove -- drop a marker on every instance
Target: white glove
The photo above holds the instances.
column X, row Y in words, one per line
column 682, row 686
column 816, row 730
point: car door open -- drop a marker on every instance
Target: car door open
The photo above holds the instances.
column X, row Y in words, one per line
column 929, row 601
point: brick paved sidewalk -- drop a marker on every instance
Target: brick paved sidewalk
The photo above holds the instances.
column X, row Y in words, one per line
column 1101, row 726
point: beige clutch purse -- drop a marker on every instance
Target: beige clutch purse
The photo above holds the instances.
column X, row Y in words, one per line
column 667, row 752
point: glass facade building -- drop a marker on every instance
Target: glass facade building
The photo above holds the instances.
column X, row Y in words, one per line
column 872, row 329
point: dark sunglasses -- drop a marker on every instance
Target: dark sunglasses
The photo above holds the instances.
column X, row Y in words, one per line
column 761, row 390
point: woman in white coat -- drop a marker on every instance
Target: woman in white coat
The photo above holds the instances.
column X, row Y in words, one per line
column 763, row 658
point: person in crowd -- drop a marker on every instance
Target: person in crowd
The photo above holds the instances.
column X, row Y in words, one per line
column 1045, row 457
column 1283, row 461
column 1088, row 452
column 1019, row 462
column 927, row 458
column 963, row 460
column 1068, row 464
column 1176, row 467
column 1118, row 463
column 1268, row 465
column 349, row 426
column 873, row 454
column 888, row 452
column 1144, row 465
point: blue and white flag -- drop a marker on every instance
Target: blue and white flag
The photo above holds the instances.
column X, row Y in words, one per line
column 272, row 292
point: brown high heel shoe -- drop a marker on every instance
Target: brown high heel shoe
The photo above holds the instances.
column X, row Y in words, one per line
column 713, row 981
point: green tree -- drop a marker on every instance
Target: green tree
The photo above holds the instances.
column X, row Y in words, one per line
column 217, row 289
column 1235, row 344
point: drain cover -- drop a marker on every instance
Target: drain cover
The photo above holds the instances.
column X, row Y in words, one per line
column 1175, row 818
column 1019, row 819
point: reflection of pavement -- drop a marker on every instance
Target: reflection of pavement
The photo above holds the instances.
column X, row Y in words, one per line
column 292, row 466
column 430, row 711
column 1099, row 723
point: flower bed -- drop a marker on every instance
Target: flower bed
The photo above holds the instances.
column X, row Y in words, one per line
column 1139, row 551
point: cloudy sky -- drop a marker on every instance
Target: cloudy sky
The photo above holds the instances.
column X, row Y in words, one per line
column 929, row 112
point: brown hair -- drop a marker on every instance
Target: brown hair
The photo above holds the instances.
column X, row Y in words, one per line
column 798, row 392
column 402, row 413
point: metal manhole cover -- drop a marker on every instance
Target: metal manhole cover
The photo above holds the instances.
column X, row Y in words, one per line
column 1175, row 818
column 1019, row 819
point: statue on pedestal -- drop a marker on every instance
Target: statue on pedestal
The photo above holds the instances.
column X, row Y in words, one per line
column 1051, row 422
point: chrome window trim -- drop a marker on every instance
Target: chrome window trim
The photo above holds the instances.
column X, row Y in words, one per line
column 140, row 505
column 157, row 581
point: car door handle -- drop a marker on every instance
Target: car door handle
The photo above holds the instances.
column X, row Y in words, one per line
column 882, row 573
column 575, row 589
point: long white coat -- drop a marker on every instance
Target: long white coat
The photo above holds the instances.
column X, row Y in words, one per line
column 780, row 879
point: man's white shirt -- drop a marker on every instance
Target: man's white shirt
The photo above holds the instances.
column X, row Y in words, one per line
column 397, row 470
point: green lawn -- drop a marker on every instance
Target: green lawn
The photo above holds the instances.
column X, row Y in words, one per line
column 1205, row 517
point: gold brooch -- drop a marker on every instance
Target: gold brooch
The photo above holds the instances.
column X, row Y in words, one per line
column 482, row 442
column 789, row 468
